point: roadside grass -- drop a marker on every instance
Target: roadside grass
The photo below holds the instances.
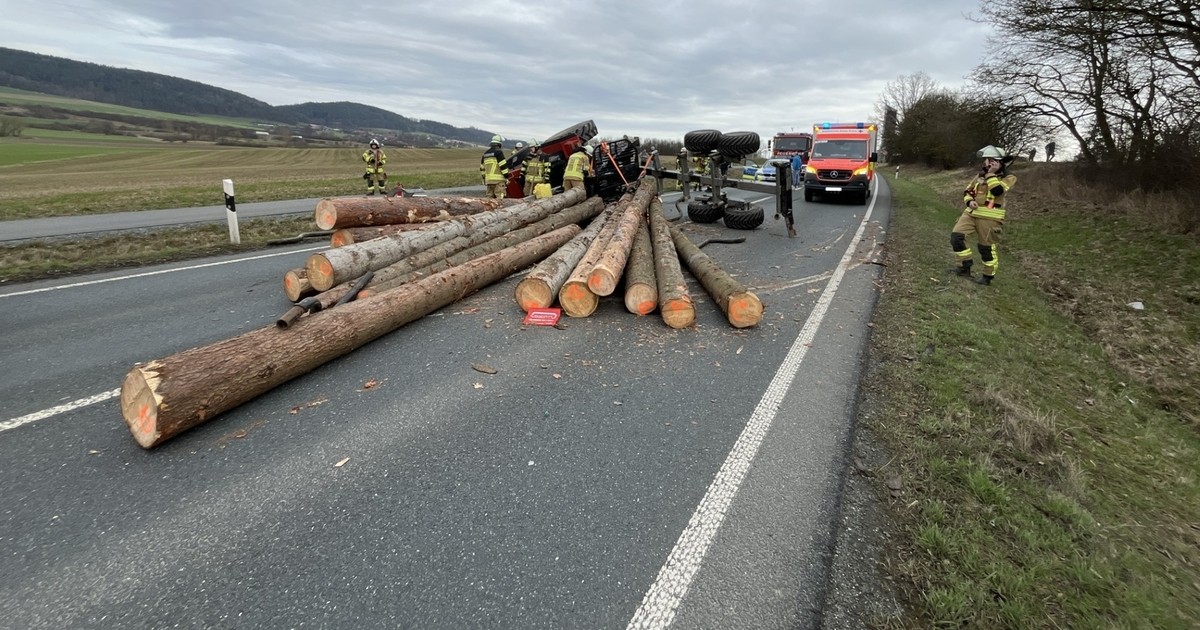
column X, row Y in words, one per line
column 1043, row 431
column 52, row 258
column 178, row 175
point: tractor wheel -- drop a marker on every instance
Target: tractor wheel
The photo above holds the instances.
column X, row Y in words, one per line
column 704, row 211
column 701, row 141
column 586, row 130
column 746, row 218
column 738, row 144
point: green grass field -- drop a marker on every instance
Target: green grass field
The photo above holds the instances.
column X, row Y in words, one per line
column 14, row 96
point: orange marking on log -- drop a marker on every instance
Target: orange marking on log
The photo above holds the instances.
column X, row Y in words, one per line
column 645, row 307
column 575, row 292
column 145, row 423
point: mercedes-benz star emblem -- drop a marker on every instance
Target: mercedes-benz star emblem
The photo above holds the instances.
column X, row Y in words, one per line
column 833, row 174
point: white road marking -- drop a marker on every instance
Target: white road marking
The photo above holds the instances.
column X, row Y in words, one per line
column 160, row 272
column 662, row 600
column 54, row 411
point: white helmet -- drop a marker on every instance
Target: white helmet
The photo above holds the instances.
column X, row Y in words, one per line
column 496, row 139
column 990, row 151
column 588, row 150
column 520, row 145
column 374, row 143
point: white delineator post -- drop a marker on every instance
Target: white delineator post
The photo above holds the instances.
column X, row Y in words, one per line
column 231, row 212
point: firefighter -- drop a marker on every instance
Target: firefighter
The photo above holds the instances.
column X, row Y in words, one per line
column 983, row 215
column 579, row 166
column 375, row 176
column 699, row 167
column 536, row 169
column 493, row 168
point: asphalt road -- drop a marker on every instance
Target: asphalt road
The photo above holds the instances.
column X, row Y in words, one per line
column 613, row 473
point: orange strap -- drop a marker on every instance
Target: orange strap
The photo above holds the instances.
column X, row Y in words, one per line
column 604, row 147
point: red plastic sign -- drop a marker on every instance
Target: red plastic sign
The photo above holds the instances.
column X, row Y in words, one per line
column 542, row 316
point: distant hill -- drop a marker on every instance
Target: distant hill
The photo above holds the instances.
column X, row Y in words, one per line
column 147, row 90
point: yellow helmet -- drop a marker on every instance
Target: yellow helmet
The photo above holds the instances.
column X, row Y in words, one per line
column 496, row 139
column 990, row 151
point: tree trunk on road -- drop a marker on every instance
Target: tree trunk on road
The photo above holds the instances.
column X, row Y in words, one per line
column 575, row 298
column 641, row 287
column 350, row 236
column 603, row 277
column 742, row 308
column 330, row 268
column 335, row 213
column 674, row 301
column 539, row 288
column 404, row 271
column 296, row 285
column 165, row 397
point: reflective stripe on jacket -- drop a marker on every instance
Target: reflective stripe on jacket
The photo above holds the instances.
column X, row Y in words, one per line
column 577, row 166
column 493, row 166
column 369, row 155
column 992, row 190
column 534, row 171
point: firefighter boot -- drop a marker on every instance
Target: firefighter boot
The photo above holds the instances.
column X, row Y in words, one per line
column 964, row 269
column 984, row 279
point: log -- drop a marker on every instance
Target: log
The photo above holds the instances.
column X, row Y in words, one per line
column 576, row 299
column 539, row 288
column 741, row 307
column 165, row 397
column 641, row 288
column 572, row 215
column 335, row 213
column 603, row 277
column 350, row 236
column 296, row 285
column 674, row 301
column 332, row 267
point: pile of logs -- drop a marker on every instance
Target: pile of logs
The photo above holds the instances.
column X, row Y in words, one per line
column 388, row 273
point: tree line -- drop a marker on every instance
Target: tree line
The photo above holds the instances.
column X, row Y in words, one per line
column 1120, row 78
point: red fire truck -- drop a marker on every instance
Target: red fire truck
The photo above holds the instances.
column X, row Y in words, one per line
column 785, row 144
column 842, row 161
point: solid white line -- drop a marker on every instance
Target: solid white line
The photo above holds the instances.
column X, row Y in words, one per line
column 54, row 411
column 675, row 577
column 159, row 272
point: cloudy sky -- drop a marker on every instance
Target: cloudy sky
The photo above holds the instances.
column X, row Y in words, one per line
column 656, row 68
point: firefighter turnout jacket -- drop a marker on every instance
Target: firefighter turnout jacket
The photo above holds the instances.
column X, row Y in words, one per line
column 535, row 170
column 578, row 166
column 988, row 192
column 493, row 166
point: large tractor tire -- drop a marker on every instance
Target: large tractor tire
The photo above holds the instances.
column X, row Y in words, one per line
column 738, row 144
column 586, row 130
column 701, row 141
column 746, row 218
column 704, row 211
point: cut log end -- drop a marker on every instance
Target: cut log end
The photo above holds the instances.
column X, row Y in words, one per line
column 745, row 310
column 577, row 300
column 602, row 282
column 320, row 272
column 139, row 406
column 341, row 238
column 533, row 293
column 679, row 313
column 296, row 285
column 641, row 299
column 325, row 214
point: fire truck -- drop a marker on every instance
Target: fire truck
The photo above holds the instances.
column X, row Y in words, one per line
column 842, row 161
column 785, row 144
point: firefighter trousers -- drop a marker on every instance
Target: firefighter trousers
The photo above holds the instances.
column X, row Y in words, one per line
column 987, row 233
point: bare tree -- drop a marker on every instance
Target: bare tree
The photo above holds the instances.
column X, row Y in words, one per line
column 902, row 93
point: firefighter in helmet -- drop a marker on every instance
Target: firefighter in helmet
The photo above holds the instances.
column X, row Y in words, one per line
column 984, row 214
column 375, row 176
column 493, row 168
column 537, row 171
column 579, row 166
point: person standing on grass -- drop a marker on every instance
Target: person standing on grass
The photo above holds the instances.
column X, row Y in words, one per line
column 376, row 177
column 984, row 214
column 494, row 169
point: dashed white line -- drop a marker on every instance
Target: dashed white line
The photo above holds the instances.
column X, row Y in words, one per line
column 54, row 411
column 662, row 600
column 159, row 272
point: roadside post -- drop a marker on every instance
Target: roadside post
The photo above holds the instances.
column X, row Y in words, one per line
column 231, row 212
